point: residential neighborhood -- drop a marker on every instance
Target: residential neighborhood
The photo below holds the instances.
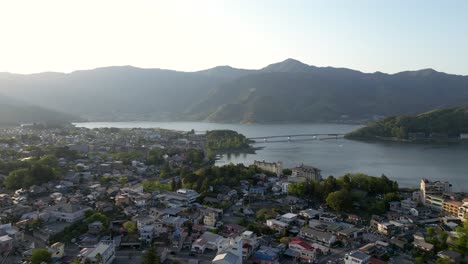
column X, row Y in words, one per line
column 77, row 195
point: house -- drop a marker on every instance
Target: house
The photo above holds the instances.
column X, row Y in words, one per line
column 421, row 244
column 249, row 244
column 57, row 250
column 175, row 222
column 277, row 225
column 69, row 213
column 357, row 257
column 288, row 218
column 147, row 232
column 309, row 213
column 6, row 244
column 207, row 241
column 452, row 256
column 320, row 237
column 328, row 218
column 305, row 251
column 385, row 228
column 407, row 204
column 191, row 195
column 226, row 258
column 13, row 232
column 267, row 255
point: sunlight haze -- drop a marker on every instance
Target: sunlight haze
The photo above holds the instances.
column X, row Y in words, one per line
column 64, row 36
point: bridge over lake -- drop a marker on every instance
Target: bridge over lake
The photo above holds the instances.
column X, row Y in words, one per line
column 299, row 137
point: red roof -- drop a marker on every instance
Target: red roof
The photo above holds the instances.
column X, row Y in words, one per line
column 302, row 243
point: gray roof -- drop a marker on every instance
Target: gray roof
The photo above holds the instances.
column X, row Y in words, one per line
column 359, row 255
column 227, row 257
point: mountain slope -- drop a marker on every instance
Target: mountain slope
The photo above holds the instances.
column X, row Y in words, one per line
column 288, row 91
column 447, row 122
column 13, row 112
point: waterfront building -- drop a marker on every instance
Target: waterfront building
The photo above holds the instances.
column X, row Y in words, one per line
column 273, row 167
column 432, row 191
column 306, row 172
column 451, row 207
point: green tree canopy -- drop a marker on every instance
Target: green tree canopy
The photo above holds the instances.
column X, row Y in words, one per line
column 41, row 255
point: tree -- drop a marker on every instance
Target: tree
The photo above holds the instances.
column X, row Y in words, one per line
column 98, row 258
column 123, row 180
column 130, row 227
column 98, row 217
column 179, row 184
column 173, row 185
column 41, row 255
column 461, row 245
column 155, row 157
column 339, row 200
column 150, row 257
column 285, row 240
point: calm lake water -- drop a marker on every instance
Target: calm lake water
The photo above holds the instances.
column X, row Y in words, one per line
column 406, row 163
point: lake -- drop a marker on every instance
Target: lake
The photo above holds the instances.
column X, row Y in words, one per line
column 405, row 162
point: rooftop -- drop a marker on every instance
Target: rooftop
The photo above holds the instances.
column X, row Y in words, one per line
column 359, row 255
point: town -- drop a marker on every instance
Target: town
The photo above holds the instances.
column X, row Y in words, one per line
column 109, row 195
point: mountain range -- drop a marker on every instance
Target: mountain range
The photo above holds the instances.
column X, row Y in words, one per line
column 288, row 91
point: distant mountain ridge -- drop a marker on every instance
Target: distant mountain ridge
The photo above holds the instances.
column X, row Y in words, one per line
column 288, row 91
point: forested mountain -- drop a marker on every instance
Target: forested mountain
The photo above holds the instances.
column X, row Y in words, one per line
column 14, row 112
column 288, row 91
column 436, row 124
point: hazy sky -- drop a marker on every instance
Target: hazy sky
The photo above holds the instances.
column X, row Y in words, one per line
column 374, row 35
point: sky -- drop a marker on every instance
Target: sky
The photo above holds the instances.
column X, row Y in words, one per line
column 373, row 35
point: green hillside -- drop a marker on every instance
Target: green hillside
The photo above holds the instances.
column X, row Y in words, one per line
column 14, row 112
column 436, row 124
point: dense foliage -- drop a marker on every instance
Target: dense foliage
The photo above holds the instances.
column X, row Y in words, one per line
column 450, row 122
column 41, row 255
column 36, row 174
column 219, row 140
column 350, row 192
column 228, row 175
column 150, row 257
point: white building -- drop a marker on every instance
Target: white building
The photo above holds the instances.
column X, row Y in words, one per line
column 436, row 188
column 105, row 251
column 407, row 204
column 191, row 195
column 69, row 213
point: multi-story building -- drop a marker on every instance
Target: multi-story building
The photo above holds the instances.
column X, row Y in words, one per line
column 463, row 210
column 451, row 207
column 273, row 167
column 306, row 173
column 431, row 190
column 249, row 244
column 435, row 202
column 103, row 253
column 69, row 213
